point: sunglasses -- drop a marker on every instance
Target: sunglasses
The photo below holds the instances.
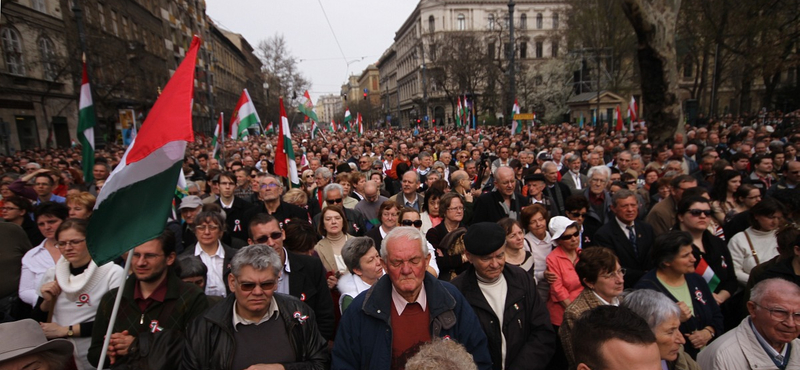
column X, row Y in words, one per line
column 417, row 223
column 333, row 201
column 569, row 236
column 578, row 214
column 266, row 285
column 277, row 235
column 698, row 212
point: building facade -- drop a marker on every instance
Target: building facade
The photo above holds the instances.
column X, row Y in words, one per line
column 328, row 108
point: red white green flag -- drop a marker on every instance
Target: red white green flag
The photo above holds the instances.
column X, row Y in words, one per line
column 333, row 126
column 704, row 270
column 307, row 107
column 244, row 116
column 136, row 200
column 219, row 134
column 86, row 123
column 360, row 125
column 618, row 118
column 285, row 164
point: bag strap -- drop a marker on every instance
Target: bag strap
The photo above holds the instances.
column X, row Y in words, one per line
column 753, row 250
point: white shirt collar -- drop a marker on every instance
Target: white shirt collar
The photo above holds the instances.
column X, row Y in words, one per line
column 622, row 224
column 286, row 266
column 272, row 311
column 198, row 250
column 614, row 302
column 400, row 302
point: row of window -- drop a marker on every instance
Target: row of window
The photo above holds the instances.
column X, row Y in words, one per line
column 461, row 22
column 15, row 59
column 523, row 50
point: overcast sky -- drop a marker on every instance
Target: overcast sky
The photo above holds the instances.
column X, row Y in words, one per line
column 365, row 29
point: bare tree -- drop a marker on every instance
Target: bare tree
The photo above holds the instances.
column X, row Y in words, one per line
column 281, row 72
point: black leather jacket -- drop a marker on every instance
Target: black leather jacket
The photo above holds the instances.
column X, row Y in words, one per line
column 210, row 343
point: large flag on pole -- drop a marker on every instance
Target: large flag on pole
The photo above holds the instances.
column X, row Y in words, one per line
column 333, row 126
column 244, row 116
column 86, row 123
column 632, row 112
column 219, row 134
column 136, row 200
column 360, row 125
column 285, row 164
column 307, row 107
column 516, row 127
column 347, row 116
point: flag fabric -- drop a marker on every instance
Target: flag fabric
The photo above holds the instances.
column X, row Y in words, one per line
column 360, row 125
column 347, row 116
column 333, row 126
column 314, row 129
column 459, row 110
column 219, row 134
column 580, row 124
column 285, row 164
column 618, row 118
column 516, row 127
column 633, row 109
column 134, row 131
column 86, row 123
column 307, row 107
column 704, row 270
column 244, row 116
column 270, row 128
column 136, row 200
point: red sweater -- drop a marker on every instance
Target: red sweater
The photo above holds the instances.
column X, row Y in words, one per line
column 409, row 332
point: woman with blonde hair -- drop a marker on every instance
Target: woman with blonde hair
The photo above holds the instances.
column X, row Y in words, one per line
column 81, row 205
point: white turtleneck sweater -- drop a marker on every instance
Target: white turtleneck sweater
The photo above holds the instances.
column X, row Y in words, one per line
column 79, row 298
column 763, row 242
column 495, row 293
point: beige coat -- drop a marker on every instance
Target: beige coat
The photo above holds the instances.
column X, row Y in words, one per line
column 739, row 349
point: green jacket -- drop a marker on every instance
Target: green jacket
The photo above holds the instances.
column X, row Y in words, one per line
column 183, row 300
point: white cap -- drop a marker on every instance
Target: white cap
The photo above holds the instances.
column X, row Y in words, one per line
column 558, row 225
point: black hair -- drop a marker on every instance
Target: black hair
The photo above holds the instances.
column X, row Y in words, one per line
column 602, row 324
column 54, row 209
column 668, row 245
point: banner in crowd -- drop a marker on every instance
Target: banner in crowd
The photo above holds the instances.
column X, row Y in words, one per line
column 86, row 123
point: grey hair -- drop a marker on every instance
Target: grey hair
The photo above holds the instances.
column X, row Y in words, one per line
column 377, row 162
column 212, row 216
column 191, row 266
column 573, row 157
column 257, row 256
column 497, row 171
column 190, row 184
column 457, row 176
column 405, row 232
column 602, row 169
column 324, row 172
column 623, row 194
column 424, row 154
column 331, row 187
column 558, row 149
column 548, row 164
column 35, row 165
column 764, row 287
column 416, row 175
column 439, row 164
column 653, row 306
column 276, row 178
column 354, row 249
column 441, row 354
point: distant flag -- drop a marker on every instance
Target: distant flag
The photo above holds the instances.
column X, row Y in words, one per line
column 360, row 125
column 347, row 116
column 314, row 129
column 618, row 118
column 270, row 128
column 333, row 126
column 580, row 123
column 219, row 134
column 632, row 112
column 516, row 127
column 86, row 123
column 143, row 183
column 459, row 110
column 307, row 107
column 244, row 116
column 285, row 164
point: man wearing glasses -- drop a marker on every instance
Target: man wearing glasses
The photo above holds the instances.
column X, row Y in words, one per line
column 270, row 192
column 767, row 338
column 255, row 326
column 302, row 276
column 332, row 194
column 234, row 207
column 156, row 308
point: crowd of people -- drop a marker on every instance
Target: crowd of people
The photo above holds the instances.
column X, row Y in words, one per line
column 570, row 248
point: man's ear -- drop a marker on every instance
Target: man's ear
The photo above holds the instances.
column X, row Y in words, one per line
column 171, row 259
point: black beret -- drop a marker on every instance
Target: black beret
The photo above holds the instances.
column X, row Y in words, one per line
column 535, row 177
column 484, row 238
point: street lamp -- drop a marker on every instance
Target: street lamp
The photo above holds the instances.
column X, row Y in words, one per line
column 511, row 49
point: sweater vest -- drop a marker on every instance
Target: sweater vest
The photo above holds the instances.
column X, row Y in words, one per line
column 409, row 331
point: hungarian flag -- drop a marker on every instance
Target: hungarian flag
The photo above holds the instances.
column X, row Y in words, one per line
column 466, row 111
column 333, row 126
column 516, row 127
column 244, row 116
column 458, row 113
column 704, row 270
column 307, row 107
column 270, row 128
column 136, row 200
column 285, row 164
column 219, row 133
column 314, row 129
column 86, row 123
column 618, row 118
column 360, row 125
column 347, row 117
column 632, row 109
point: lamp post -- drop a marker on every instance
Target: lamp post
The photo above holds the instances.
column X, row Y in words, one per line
column 511, row 50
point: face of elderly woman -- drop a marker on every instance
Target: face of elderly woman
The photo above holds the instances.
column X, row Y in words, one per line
column 609, row 284
column 669, row 338
column 570, row 239
column 371, row 269
column 684, row 260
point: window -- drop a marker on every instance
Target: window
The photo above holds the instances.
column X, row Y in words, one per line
column 554, row 49
column 432, row 52
column 12, row 48
column 125, row 30
column 102, row 15
column 491, row 21
column 48, row 53
column 506, row 23
column 688, row 67
column 491, row 50
column 431, row 24
column 523, row 50
column 538, row 80
column 114, row 26
column 539, row 49
column 555, row 21
column 462, row 22
column 539, row 21
column 39, row 5
column 523, row 21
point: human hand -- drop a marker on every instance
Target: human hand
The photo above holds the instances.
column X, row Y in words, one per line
column 119, row 345
column 332, row 281
column 686, row 312
column 52, row 330
column 266, row 367
column 50, row 290
column 699, row 338
column 550, row 276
